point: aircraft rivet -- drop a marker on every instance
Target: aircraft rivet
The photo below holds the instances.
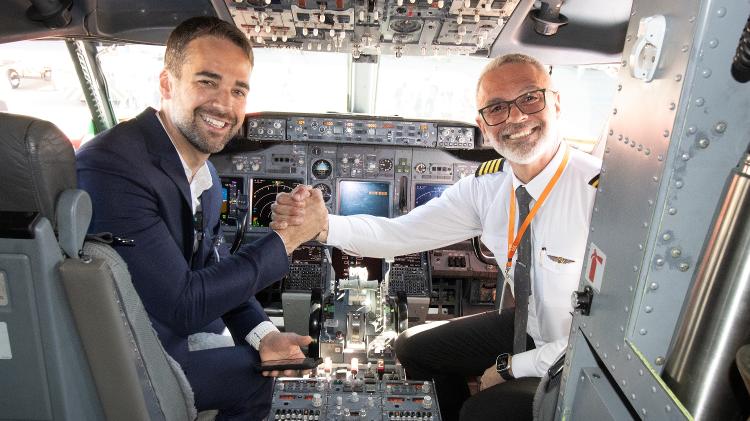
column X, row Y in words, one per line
column 643, row 332
column 684, row 267
column 721, row 12
column 640, row 373
column 597, row 344
column 693, row 129
column 672, row 211
column 672, row 106
column 640, row 246
column 659, row 360
column 706, row 73
column 720, row 127
column 655, row 178
column 612, row 367
column 666, row 236
column 665, row 133
column 605, row 355
column 703, row 143
column 611, row 132
column 713, row 43
column 668, row 408
column 654, row 286
column 627, row 309
column 629, row 356
column 660, row 157
column 678, row 78
column 648, row 309
column 678, row 184
column 643, row 411
column 635, row 268
column 619, row 87
column 614, row 111
column 619, row 137
column 628, row 38
column 650, row 202
column 624, row 383
column 622, row 328
column 647, row 152
column 675, row 252
column 684, row 48
column 659, row 261
column 685, row 156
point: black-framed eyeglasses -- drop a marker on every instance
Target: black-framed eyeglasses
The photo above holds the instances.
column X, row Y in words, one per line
column 528, row 103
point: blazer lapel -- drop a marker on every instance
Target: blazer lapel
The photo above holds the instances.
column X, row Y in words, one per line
column 164, row 153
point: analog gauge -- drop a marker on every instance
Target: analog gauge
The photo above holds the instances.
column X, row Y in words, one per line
column 420, row 168
column 385, row 165
column 321, row 169
column 325, row 189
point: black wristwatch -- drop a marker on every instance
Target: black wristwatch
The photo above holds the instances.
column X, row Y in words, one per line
column 502, row 365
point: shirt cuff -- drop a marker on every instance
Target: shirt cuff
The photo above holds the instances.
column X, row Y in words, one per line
column 333, row 230
column 259, row 332
column 522, row 365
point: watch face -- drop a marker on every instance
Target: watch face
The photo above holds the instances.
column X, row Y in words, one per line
column 502, row 362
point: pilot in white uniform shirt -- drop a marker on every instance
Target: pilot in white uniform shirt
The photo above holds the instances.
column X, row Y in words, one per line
column 479, row 205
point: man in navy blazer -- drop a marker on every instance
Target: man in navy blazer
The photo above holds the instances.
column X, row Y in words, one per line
column 151, row 182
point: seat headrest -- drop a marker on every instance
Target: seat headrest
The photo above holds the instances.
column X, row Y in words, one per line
column 38, row 163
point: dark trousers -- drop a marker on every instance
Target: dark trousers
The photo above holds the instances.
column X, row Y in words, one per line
column 450, row 351
column 226, row 379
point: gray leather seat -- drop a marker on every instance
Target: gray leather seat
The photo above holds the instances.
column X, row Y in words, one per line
column 75, row 341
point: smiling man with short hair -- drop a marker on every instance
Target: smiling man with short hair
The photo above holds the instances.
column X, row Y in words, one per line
column 150, row 181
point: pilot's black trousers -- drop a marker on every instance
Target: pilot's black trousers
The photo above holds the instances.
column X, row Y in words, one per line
column 449, row 352
column 226, row 379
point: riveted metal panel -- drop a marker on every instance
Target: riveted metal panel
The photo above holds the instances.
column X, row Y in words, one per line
column 670, row 146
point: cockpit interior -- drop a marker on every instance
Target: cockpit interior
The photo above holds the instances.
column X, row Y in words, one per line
column 372, row 102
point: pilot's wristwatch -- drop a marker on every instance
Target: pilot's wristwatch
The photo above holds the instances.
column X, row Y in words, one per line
column 502, row 365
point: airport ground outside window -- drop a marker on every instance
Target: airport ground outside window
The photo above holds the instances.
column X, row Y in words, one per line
column 39, row 80
column 282, row 80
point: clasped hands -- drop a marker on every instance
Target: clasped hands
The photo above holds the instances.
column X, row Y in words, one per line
column 300, row 216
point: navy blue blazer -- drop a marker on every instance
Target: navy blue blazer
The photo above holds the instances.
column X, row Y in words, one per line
column 139, row 192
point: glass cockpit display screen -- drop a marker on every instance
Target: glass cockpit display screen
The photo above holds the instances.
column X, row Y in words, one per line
column 264, row 192
column 364, row 197
column 231, row 190
column 423, row 193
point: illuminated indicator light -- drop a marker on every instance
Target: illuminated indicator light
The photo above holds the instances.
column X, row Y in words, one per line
column 304, row 31
column 315, row 32
column 328, row 123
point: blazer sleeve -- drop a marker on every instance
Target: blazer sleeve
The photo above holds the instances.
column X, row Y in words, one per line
column 185, row 300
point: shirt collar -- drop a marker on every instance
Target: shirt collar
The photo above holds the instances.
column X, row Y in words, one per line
column 536, row 186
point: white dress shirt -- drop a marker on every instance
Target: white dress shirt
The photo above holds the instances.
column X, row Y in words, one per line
column 480, row 206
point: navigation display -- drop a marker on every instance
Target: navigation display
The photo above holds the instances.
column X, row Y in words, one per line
column 364, row 197
column 423, row 193
column 264, row 192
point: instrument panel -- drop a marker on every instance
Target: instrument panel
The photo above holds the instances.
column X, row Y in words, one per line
column 362, row 165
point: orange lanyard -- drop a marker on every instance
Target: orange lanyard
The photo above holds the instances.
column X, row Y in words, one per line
column 513, row 244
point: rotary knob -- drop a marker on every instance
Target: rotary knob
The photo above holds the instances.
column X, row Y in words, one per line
column 581, row 300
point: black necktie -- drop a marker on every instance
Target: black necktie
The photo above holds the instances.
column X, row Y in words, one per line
column 522, row 275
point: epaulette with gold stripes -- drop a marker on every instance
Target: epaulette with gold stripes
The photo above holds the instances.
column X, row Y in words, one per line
column 594, row 182
column 490, row 167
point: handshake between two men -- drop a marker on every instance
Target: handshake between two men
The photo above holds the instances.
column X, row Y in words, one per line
column 300, row 216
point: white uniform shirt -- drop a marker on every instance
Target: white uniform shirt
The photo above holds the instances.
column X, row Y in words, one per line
column 480, row 206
